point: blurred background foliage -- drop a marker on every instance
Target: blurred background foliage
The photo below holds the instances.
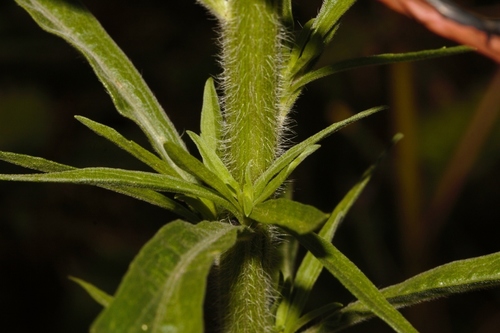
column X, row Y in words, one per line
column 431, row 201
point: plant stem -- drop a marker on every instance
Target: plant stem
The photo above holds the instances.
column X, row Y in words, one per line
column 251, row 60
column 245, row 288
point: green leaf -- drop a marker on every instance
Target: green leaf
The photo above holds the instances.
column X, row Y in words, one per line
column 288, row 251
column 310, row 268
column 192, row 165
column 312, row 40
column 211, row 118
column 97, row 294
column 71, row 21
column 329, row 15
column 247, row 195
column 271, row 187
column 288, row 214
column 156, row 199
column 452, row 278
column 300, row 74
column 129, row 146
column 164, row 288
column 380, row 59
column 33, row 163
column 123, row 180
column 213, row 162
column 305, row 53
column 284, row 160
column 203, row 207
column 355, row 281
column 152, row 197
column 314, row 314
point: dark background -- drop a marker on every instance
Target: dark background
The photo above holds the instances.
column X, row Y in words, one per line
column 49, row 232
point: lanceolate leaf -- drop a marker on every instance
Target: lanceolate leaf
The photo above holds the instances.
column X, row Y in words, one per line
column 150, row 196
column 71, row 21
column 301, row 78
column 190, row 164
column 354, row 281
column 316, row 34
column 164, row 288
column 288, row 214
column 34, row 163
column 330, row 13
column 124, row 179
column 97, row 294
column 129, row 146
column 380, row 59
column 455, row 277
column 310, row 268
column 311, row 42
column 156, row 199
column 212, row 161
column 314, row 314
column 284, row 160
column 305, row 53
column 211, row 117
column 271, row 187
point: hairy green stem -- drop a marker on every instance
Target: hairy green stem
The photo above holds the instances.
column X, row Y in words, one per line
column 246, row 293
column 251, row 59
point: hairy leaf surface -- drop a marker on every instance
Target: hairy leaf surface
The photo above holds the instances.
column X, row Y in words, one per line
column 211, row 117
column 291, row 215
column 123, row 180
column 355, row 281
column 129, row 146
column 144, row 194
column 164, row 288
column 192, row 165
column 455, row 277
column 212, row 161
column 71, row 21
